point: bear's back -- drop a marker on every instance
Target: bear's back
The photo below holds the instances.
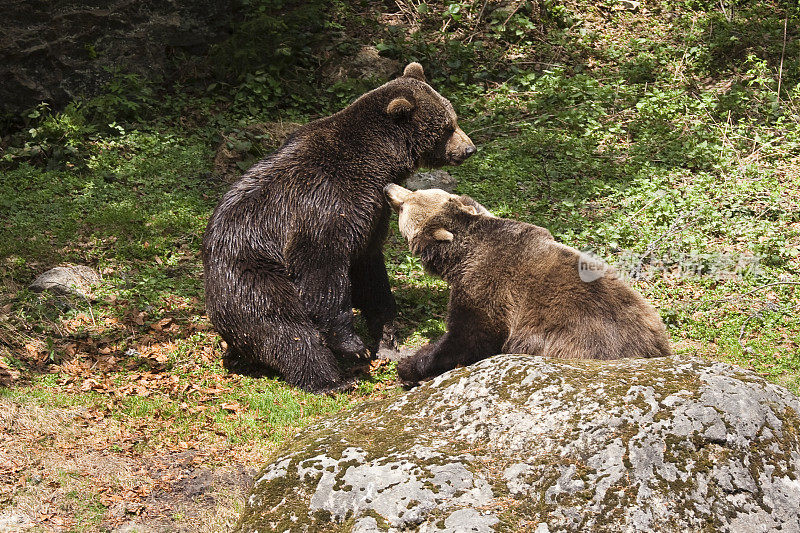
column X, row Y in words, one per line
column 545, row 289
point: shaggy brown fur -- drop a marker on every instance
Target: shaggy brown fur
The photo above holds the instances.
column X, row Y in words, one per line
column 297, row 242
column 513, row 289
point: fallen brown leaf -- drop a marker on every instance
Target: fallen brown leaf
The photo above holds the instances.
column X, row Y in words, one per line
column 233, row 407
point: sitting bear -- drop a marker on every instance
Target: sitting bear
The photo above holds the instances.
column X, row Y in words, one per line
column 514, row 289
column 297, row 242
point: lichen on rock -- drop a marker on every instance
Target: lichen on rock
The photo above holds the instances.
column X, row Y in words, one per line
column 522, row 442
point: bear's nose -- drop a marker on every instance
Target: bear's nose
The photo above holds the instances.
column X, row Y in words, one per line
column 469, row 150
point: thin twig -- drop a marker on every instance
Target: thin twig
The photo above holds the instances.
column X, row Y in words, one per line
column 756, row 314
column 697, row 304
column 728, row 16
column 445, row 24
column 648, row 204
column 91, row 313
column 783, row 52
column 480, row 15
column 475, row 29
column 762, row 287
column 725, row 139
column 514, row 12
column 636, row 271
column 683, row 57
column 744, row 325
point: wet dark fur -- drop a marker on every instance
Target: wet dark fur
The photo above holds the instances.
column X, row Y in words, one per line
column 297, row 242
column 513, row 289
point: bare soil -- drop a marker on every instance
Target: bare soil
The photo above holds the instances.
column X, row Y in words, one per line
column 57, row 464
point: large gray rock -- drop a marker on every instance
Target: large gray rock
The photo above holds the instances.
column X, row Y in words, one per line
column 529, row 443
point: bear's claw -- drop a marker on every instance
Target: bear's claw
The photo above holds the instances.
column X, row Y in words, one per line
column 351, row 346
column 346, row 385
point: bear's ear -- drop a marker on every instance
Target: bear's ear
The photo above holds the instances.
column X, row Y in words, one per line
column 442, row 234
column 461, row 203
column 400, row 107
column 414, row 70
column 468, row 209
column 470, row 206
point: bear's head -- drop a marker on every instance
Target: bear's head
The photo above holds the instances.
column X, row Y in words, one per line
column 430, row 214
column 438, row 141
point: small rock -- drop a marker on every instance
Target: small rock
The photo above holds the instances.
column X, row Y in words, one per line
column 367, row 63
column 469, row 520
column 435, row 179
column 11, row 520
column 77, row 279
column 133, row 527
column 627, row 5
column 366, row 525
column 117, row 511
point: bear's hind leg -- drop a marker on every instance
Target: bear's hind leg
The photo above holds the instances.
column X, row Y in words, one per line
column 306, row 362
column 237, row 363
column 323, row 286
column 259, row 314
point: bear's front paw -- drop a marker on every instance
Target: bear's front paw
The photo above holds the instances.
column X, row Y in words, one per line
column 407, row 371
column 349, row 346
column 419, row 366
column 389, row 338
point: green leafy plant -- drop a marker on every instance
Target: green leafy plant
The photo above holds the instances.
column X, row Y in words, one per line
column 53, row 140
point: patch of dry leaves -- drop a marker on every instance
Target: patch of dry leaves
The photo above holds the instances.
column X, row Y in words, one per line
column 87, row 466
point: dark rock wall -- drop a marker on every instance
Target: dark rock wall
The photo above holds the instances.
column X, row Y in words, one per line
column 56, row 50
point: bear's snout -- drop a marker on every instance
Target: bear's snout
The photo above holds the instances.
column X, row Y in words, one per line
column 459, row 147
column 396, row 195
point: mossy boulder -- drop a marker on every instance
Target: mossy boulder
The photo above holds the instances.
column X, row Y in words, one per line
column 530, row 443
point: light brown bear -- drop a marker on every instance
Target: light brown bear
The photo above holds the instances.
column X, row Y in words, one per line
column 514, row 289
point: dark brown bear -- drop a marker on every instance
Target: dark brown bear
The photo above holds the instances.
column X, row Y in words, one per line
column 513, row 289
column 297, row 241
